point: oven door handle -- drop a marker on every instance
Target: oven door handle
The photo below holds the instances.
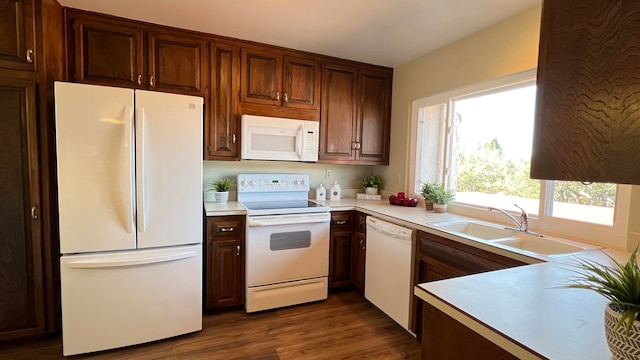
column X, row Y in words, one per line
column 288, row 219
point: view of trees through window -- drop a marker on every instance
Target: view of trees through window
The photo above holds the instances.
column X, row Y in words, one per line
column 491, row 151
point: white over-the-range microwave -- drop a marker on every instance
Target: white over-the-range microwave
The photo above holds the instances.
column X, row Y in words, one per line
column 270, row 138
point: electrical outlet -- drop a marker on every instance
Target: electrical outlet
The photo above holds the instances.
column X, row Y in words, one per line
column 327, row 174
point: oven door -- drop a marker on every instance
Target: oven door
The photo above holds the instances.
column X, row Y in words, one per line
column 284, row 248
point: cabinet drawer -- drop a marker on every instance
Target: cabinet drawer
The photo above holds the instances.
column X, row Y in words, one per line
column 342, row 220
column 225, row 228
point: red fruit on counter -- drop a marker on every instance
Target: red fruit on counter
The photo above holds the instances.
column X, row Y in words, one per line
column 402, row 195
column 406, row 201
column 413, row 202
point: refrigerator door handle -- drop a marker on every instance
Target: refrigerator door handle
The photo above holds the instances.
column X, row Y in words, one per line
column 128, row 180
column 141, row 165
column 84, row 264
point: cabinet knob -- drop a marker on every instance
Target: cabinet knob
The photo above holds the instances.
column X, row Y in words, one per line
column 151, row 81
column 353, row 145
column 341, row 222
column 139, row 79
column 34, row 212
column 286, row 97
column 237, row 250
column 29, row 55
column 362, row 244
column 233, row 138
column 226, row 229
column 277, row 95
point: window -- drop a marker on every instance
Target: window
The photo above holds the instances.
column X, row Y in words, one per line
column 477, row 141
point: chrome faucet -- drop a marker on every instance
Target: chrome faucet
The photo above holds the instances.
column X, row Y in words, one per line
column 523, row 223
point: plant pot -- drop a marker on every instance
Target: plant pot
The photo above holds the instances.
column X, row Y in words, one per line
column 209, row 196
column 622, row 345
column 428, row 205
column 222, row 197
column 439, row 208
column 371, row 191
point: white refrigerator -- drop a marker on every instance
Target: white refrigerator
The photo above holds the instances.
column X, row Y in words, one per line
column 130, row 215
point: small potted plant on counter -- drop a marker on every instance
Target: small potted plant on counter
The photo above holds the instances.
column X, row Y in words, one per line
column 620, row 284
column 426, row 191
column 371, row 184
column 221, row 188
column 439, row 196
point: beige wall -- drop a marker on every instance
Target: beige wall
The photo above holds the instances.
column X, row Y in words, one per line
column 506, row 48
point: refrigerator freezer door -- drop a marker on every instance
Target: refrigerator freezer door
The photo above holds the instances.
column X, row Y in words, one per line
column 118, row 299
column 96, row 194
column 168, row 168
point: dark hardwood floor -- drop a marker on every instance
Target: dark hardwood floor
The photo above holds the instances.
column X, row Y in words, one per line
column 345, row 326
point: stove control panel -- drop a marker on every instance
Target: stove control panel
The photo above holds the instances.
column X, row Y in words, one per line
column 272, row 182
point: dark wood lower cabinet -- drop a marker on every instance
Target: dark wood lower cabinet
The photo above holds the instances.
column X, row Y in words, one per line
column 22, row 307
column 444, row 338
column 224, row 270
column 347, row 247
column 438, row 258
column 358, row 253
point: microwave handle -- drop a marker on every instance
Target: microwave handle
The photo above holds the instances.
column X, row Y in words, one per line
column 299, row 143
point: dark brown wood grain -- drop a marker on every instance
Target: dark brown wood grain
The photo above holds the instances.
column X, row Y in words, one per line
column 341, row 234
column 261, row 76
column 225, row 258
column 345, row 326
column 338, row 115
column 18, row 29
column 22, row 307
column 587, row 114
column 301, row 82
column 223, row 129
column 358, row 259
column 178, row 63
column 444, row 338
column 374, row 116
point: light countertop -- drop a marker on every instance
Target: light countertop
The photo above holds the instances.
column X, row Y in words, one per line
column 521, row 309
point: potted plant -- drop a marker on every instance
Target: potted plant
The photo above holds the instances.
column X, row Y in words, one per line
column 620, row 284
column 221, row 188
column 425, row 191
column 371, row 184
column 439, row 196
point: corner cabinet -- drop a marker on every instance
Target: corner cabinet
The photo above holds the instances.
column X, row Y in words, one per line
column 359, row 252
column 356, row 114
column 438, row 258
column 587, row 123
column 347, row 250
column 225, row 259
column 18, row 24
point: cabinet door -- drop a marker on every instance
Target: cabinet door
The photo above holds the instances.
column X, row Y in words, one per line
column 17, row 34
column 107, row 52
column 358, row 251
column 261, row 77
column 340, row 261
column 338, row 114
column 178, row 64
column 301, row 83
column 587, row 124
column 226, row 272
column 222, row 125
column 21, row 280
column 374, row 116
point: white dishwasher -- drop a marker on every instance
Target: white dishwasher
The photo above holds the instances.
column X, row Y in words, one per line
column 388, row 269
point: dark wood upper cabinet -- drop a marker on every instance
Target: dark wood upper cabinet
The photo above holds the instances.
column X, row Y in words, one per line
column 107, row 51
column 222, row 129
column 178, row 63
column 22, row 308
column 18, row 39
column 261, row 77
column 587, row 120
column 276, row 82
column 356, row 114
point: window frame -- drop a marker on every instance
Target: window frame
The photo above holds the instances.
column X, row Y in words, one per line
column 615, row 235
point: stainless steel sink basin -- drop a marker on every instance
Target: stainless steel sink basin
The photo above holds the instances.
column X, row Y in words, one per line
column 547, row 245
column 475, row 229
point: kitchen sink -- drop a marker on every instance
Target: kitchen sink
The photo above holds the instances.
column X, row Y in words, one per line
column 475, row 229
column 546, row 245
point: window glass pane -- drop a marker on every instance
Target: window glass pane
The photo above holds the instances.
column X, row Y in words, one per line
column 492, row 136
column 592, row 203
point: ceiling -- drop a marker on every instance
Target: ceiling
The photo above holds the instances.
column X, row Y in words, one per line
column 381, row 32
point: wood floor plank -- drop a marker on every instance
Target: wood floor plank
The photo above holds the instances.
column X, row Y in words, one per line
column 345, row 326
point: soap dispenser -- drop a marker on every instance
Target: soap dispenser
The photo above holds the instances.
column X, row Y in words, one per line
column 321, row 192
column 336, row 191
